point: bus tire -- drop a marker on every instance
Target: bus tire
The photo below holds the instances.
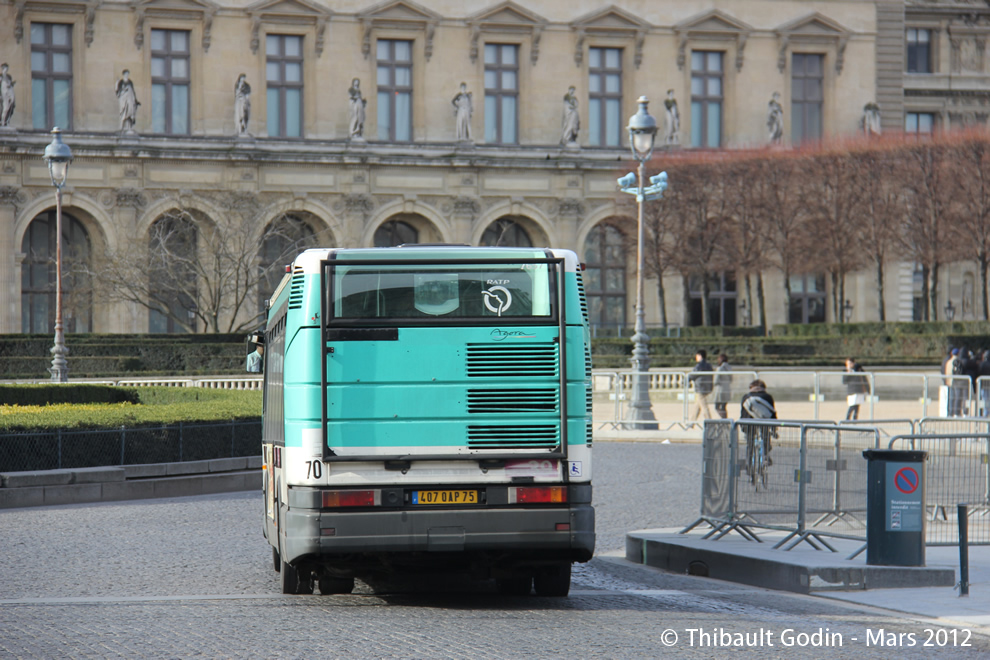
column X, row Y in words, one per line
column 276, row 560
column 514, row 586
column 554, row 581
column 293, row 581
column 335, row 585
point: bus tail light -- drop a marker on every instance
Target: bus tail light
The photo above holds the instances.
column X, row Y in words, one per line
column 342, row 498
column 537, row 495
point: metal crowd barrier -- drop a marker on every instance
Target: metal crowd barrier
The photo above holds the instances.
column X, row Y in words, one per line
column 815, row 486
column 817, row 395
column 957, row 472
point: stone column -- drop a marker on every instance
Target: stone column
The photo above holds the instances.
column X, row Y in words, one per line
column 10, row 280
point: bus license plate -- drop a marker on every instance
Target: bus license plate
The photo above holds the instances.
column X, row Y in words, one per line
column 445, row 497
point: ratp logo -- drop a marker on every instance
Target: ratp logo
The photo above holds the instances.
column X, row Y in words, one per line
column 497, row 299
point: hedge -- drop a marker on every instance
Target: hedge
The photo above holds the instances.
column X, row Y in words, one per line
column 45, row 395
column 156, row 406
column 27, row 356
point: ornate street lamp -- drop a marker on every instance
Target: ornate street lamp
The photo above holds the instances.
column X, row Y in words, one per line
column 950, row 311
column 847, row 311
column 58, row 156
column 642, row 135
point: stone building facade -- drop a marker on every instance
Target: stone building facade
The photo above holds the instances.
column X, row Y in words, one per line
column 387, row 163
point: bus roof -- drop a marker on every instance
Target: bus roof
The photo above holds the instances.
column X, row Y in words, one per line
column 310, row 259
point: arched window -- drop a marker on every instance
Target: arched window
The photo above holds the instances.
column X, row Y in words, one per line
column 395, row 232
column 38, row 276
column 172, row 270
column 284, row 238
column 605, row 277
column 506, row 232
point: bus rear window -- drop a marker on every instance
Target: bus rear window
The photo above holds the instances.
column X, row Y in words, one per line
column 442, row 293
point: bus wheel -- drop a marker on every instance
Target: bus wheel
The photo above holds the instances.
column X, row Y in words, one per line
column 514, row 586
column 335, row 585
column 293, row 581
column 554, row 581
column 276, row 560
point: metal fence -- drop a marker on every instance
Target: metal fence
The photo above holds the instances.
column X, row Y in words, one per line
column 956, row 472
column 816, row 395
column 128, row 446
column 814, row 485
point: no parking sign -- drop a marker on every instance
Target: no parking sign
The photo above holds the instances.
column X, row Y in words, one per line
column 905, row 507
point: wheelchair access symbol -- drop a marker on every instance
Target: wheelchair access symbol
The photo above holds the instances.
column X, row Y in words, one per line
column 906, row 480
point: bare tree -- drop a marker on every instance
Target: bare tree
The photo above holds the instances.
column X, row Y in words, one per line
column 828, row 192
column 971, row 231
column 775, row 179
column 926, row 174
column 199, row 273
column 745, row 246
column 701, row 219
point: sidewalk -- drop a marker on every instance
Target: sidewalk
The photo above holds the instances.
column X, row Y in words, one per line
column 929, row 591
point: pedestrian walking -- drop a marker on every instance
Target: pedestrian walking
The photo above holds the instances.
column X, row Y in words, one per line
column 723, row 386
column 701, row 376
column 857, row 387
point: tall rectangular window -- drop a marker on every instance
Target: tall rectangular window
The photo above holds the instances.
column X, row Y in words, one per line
column 284, row 76
column 605, row 97
column 51, row 76
column 707, row 96
column 919, row 123
column 501, row 93
column 807, row 299
column 394, row 90
column 919, row 50
column 807, row 97
column 170, row 82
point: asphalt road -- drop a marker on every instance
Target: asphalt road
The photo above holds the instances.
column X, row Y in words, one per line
column 192, row 577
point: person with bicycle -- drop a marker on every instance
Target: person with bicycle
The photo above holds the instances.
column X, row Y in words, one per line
column 758, row 404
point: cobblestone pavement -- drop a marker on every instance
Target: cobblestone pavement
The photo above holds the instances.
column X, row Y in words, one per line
column 192, row 577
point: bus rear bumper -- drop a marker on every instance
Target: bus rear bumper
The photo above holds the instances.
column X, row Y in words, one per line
column 566, row 533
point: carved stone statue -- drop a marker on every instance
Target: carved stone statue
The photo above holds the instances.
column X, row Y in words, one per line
column 127, row 102
column 775, row 120
column 571, row 122
column 357, row 105
column 871, row 119
column 242, row 104
column 672, row 127
column 463, row 109
column 6, row 95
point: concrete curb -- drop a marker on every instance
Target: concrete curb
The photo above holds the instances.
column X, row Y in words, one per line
column 758, row 565
column 131, row 482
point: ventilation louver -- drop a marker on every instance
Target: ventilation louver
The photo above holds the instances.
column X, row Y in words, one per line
column 513, row 437
column 296, row 289
column 537, row 360
column 542, row 400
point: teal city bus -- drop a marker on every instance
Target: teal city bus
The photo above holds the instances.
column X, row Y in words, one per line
column 428, row 408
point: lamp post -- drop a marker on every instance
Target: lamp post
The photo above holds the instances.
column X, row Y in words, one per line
column 58, row 156
column 950, row 311
column 847, row 311
column 642, row 135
